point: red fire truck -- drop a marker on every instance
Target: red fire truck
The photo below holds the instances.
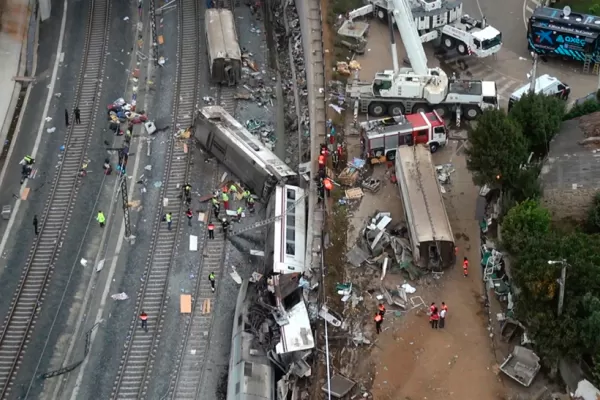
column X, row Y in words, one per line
column 383, row 136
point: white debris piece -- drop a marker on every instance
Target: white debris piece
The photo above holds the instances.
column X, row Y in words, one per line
column 83, row 262
column 119, row 296
column 50, row 130
column 408, row 289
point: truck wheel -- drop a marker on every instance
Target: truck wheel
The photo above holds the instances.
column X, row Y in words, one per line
column 396, row 109
column 442, row 112
column 471, row 112
column 376, row 109
column 421, row 108
column 381, row 14
column 462, row 48
column 448, row 42
column 433, row 147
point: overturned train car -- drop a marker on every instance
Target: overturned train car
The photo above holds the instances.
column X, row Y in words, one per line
column 257, row 167
column 224, row 54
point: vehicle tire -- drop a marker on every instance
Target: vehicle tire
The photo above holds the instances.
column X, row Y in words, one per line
column 442, row 111
column 462, row 48
column 376, row 109
column 396, row 109
column 381, row 14
column 421, row 107
column 433, row 147
column 471, row 112
column 448, row 42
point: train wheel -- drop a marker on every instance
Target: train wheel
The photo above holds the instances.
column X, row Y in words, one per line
column 376, row 109
column 448, row 42
column 471, row 112
column 381, row 14
column 421, row 108
column 396, row 109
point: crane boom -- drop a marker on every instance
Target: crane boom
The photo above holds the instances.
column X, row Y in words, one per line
column 410, row 36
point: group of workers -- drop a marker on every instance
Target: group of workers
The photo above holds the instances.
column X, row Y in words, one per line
column 437, row 318
column 223, row 197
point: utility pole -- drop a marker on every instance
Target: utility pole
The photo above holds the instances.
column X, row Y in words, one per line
column 561, row 282
column 533, row 73
column 125, row 198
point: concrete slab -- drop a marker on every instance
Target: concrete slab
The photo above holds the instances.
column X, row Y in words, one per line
column 14, row 22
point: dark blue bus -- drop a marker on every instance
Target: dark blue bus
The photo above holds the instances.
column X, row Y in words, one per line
column 551, row 33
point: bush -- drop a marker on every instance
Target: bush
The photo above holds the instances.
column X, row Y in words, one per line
column 588, row 107
column 593, row 220
column 525, row 221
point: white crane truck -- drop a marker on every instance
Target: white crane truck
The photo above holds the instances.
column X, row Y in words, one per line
column 420, row 88
column 444, row 20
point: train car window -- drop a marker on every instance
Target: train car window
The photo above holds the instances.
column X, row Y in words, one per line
column 291, row 194
column 290, row 249
column 248, row 369
column 237, row 388
column 291, row 221
column 290, row 235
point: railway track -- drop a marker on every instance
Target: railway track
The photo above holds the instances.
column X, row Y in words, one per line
column 192, row 356
column 138, row 358
column 31, row 291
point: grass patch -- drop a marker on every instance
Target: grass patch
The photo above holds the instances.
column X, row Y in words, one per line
column 580, row 6
column 335, row 254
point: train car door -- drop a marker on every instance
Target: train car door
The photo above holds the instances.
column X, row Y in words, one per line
column 217, row 147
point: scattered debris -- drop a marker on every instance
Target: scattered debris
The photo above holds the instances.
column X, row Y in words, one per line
column 119, row 296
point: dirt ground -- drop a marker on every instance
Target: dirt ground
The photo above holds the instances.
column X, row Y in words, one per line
column 409, row 360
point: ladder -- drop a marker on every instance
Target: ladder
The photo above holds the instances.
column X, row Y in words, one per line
column 586, row 63
column 596, row 69
column 269, row 220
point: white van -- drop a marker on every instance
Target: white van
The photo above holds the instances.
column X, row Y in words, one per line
column 545, row 84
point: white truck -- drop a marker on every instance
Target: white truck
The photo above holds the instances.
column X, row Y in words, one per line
column 420, row 88
column 443, row 20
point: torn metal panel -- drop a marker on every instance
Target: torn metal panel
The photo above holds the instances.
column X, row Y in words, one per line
column 297, row 334
column 356, row 256
column 339, row 386
column 522, row 365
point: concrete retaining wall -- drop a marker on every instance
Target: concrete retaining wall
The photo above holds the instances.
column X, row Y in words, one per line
column 311, row 22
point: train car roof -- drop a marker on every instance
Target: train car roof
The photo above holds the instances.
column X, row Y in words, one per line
column 222, row 35
column 247, row 142
column 576, row 21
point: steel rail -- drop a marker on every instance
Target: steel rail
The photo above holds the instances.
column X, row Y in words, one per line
column 28, row 298
column 138, row 358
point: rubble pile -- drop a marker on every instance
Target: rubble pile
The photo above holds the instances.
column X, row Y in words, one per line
column 293, row 80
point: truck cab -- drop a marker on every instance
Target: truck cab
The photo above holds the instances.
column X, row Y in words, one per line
column 383, row 136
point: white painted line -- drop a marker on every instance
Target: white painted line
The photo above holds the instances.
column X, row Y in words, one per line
column 524, row 14
column 38, row 139
column 529, row 9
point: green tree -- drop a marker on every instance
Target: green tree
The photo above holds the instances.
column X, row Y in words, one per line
column 540, row 118
column 496, row 149
column 526, row 221
column 587, row 107
column 593, row 220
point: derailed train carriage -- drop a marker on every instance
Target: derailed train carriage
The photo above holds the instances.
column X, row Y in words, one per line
column 224, row 54
column 257, row 167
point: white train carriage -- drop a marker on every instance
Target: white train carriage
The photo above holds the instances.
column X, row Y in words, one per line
column 224, row 54
column 286, row 238
column 256, row 166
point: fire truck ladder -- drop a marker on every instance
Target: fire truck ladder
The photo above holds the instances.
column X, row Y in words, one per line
column 269, row 220
column 426, row 202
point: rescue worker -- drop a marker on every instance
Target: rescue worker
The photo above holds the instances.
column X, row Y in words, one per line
column 211, row 279
column 101, row 219
column 250, row 204
column 187, row 193
column 378, row 320
column 225, row 225
column 35, row 224
column 25, row 172
column 77, row 116
column 466, row 267
column 328, row 186
column 211, row 230
column 322, row 161
column 189, row 214
column 320, row 191
column 246, row 194
column 381, row 309
column 443, row 313
column 216, row 209
column 434, row 318
column 225, row 199
column 238, row 214
column 144, row 319
column 233, row 189
column 169, row 220
column 335, row 159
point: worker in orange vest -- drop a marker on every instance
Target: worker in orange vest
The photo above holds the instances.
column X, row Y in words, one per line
column 328, row 185
column 378, row 320
column 144, row 318
column 466, row 267
column 381, row 309
column 322, row 161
